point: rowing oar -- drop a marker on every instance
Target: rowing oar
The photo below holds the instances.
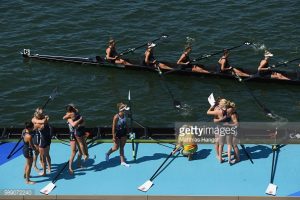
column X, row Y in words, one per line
column 146, row 186
column 261, row 106
column 51, row 97
column 272, row 67
column 177, row 104
column 129, row 50
column 284, row 63
column 246, row 152
column 272, row 188
column 132, row 135
column 50, row 186
column 218, row 52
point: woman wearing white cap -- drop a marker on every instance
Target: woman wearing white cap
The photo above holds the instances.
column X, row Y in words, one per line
column 119, row 133
column 149, row 59
column 265, row 71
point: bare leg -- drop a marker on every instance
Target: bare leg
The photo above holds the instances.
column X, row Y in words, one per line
column 229, row 147
column 28, row 170
column 164, row 66
column 48, row 158
column 122, row 61
column 122, row 157
column 43, row 161
column 199, row 69
column 114, row 148
column 73, row 152
column 236, row 153
column 240, row 73
column 82, row 147
column 279, row 76
column 220, row 153
column 35, row 156
column 217, row 149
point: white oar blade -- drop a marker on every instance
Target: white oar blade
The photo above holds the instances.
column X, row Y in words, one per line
column 146, row 186
column 48, row 188
column 271, row 189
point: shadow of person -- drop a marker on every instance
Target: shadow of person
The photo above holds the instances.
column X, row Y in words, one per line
column 202, row 154
column 256, row 152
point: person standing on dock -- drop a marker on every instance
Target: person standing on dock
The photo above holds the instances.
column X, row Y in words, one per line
column 265, row 71
column 225, row 67
column 234, row 121
column 28, row 149
column 185, row 62
column 77, row 135
column 119, row 133
column 219, row 113
column 112, row 55
column 42, row 128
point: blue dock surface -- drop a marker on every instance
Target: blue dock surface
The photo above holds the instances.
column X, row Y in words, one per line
column 203, row 176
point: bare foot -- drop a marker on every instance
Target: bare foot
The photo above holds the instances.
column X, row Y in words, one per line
column 85, row 157
column 42, row 174
column 36, row 169
column 30, row 182
column 71, row 171
column 221, row 160
column 49, row 171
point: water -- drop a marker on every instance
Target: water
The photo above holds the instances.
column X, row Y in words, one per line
column 83, row 29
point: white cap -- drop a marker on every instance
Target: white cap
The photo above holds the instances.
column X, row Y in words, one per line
column 151, row 45
column 268, row 54
column 123, row 107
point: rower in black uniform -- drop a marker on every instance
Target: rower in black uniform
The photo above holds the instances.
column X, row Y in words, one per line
column 28, row 149
column 265, row 71
column 225, row 67
column 112, row 55
column 185, row 62
column 149, row 59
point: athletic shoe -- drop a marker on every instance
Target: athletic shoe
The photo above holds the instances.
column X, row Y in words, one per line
column 125, row 164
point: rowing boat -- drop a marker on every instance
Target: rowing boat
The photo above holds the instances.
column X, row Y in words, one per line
column 98, row 61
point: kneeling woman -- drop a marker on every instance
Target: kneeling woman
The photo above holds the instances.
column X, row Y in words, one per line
column 28, row 149
column 187, row 143
column 119, row 133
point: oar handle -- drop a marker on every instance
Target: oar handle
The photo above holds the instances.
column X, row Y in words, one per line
column 129, row 50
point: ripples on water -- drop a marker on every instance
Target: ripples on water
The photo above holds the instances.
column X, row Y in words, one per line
column 83, row 28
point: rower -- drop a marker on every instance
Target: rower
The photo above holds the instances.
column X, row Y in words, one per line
column 185, row 62
column 149, row 59
column 265, row 71
column 112, row 55
column 225, row 67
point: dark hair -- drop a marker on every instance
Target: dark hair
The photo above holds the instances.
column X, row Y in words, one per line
column 28, row 125
column 71, row 108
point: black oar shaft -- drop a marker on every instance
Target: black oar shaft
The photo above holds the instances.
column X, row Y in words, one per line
column 12, row 151
column 247, row 154
column 218, row 52
column 143, row 45
column 152, row 177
